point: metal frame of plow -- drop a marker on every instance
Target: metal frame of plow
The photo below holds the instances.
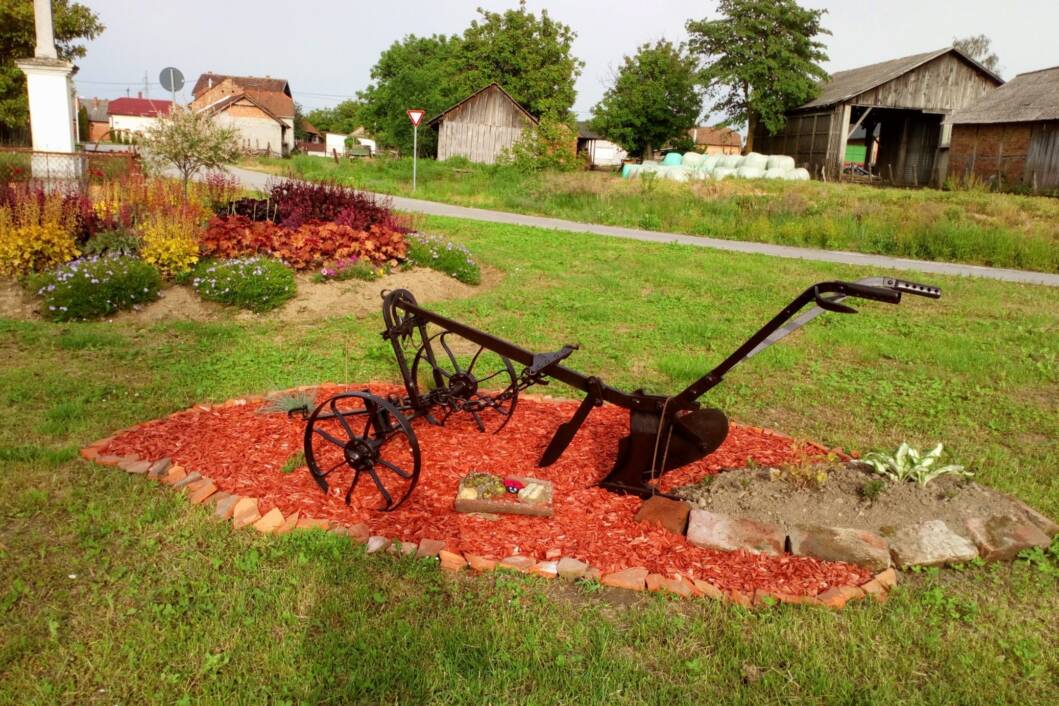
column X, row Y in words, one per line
column 438, row 369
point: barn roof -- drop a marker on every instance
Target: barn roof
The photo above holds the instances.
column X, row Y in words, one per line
column 440, row 116
column 1028, row 97
column 844, row 85
column 141, row 107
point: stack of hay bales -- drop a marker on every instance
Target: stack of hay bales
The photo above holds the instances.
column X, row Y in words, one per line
column 692, row 165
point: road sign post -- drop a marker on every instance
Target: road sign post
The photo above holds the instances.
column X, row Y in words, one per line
column 416, row 116
column 172, row 80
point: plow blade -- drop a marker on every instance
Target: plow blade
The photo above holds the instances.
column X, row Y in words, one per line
column 648, row 452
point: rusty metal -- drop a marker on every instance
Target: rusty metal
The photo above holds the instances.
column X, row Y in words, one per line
column 449, row 367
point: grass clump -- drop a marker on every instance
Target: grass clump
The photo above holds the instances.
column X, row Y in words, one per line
column 443, row 255
column 255, row 283
column 94, row 286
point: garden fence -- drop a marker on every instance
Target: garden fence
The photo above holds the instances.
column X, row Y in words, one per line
column 71, row 170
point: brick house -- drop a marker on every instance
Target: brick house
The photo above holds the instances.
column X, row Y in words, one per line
column 260, row 108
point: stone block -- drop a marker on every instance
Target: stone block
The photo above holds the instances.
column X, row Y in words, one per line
column 480, row 564
column 200, row 491
column 429, row 548
column 887, row 578
column 741, row 599
column 359, row 532
column 375, row 544
column 90, row 453
column 451, row 561
column 545, row 569
column 109, row 459
column 187, row 480
column 225, row 507
column 1002, row 537
column 593, row 573
column 245, row 513
column 839, row 596
column 272, row 521
column 671, row 515
column 708, row 589
column 633, row 579
column 711, row 530
column 571, row 569
column 174, row 475
column 852, row 546
column 678, row 586
column 653, row 582
column 134, row 466
column 313, row 523
column 929, row 543
column 875, row 590
column 159, row 468
column 1043, row 522
column 290, row 523
column 517, row 563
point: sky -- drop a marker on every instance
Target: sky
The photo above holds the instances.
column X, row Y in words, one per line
column 326, row 49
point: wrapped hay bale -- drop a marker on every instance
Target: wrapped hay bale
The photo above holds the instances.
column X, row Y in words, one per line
column 627, row 170
column 720, row 173
column 730, row 161
column 709, row 162
column 799, row 174
column 775, row 173
column 673, row 159
column 745, row 172
column 755, row 161
column 692, row 159
column 780, row 161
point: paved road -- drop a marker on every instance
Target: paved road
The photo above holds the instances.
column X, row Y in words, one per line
column 257, row 180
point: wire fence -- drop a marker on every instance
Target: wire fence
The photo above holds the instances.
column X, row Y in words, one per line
column 73, row 170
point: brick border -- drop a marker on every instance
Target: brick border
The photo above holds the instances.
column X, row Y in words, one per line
column 242, row 512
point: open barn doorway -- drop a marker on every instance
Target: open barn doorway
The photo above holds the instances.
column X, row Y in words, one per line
column 892, row 145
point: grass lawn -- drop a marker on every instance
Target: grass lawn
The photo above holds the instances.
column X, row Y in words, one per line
column 1001, row 230
column 113, row 591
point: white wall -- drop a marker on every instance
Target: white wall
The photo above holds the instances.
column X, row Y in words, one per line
column 289, row 137
column 52, row 117
column 255, row 134
column 131, row 123
column 335, row 141
column 604, row 153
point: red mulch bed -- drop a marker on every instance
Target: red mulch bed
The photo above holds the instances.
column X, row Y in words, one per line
column 243, row 452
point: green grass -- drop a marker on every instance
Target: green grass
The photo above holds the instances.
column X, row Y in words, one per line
column 114, row 591
column 971, row 226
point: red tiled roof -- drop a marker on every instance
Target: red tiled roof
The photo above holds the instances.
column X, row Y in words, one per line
column 273, row 93
column 725, row 137
column 142, row 107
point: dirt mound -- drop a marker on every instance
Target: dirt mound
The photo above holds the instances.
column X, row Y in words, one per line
column 313, row 301
column 846, row 499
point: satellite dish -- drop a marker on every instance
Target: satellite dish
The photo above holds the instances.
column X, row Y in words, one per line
column 171, row 79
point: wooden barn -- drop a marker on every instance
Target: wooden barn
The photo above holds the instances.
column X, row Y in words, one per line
column 481, row 126
column 902, row 105
column 1011, row 136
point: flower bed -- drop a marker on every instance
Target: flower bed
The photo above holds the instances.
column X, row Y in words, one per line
column 255, row 283
column 96, row 286
column 244, row 452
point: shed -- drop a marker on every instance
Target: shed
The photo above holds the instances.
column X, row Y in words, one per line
column 902, row 104
column 1011, row 136
column 598, row 150
column 481, row 126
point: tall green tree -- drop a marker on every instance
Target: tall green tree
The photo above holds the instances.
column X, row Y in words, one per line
column 980, row 48
column 530, row 56
column 344, row 117
column 759, row 59
column 73, row 23
column 654, row 99
column 416, row 72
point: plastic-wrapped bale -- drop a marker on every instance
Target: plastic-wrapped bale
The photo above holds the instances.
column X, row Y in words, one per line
column 677, row 174
column 673, row 159
column 692, row 159
column 627, row 170
column 700, row 174
column 649, row 163
column 709, row 162
column 776, row 173
column 720, row 173
column 731, row 161
column 799, row 174
column 745, row 172
column 780, row 161
column 755, row 161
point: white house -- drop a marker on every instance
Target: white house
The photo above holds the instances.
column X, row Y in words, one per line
column 258, row 128
column 601, row 152
column 133, row 116
column 273, row 95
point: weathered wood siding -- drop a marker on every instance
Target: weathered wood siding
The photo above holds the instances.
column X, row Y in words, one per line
column 805, row 137
column 1042, row 162
column 481, row 128
column 942, row 85
column 1013, row 153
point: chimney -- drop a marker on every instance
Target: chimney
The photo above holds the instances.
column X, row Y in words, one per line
column 139, row 94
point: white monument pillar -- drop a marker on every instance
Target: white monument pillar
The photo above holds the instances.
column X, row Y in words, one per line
column 52, row 118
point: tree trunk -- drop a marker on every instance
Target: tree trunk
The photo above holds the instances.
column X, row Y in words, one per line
column 751, row 125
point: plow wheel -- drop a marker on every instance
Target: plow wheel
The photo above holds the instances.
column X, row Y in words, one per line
column 462, row 376
column 356, row 434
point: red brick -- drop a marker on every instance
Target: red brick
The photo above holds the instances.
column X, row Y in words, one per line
column 633, row 579
column 109, row 459
column 134, row 466
column 654, row 582
column 715, row 531
column 874, row 589
column 571, row 569
column 451, row 561
column 201, row 491
column 887, row 578
column 271, row 522
column 290, row 523
column 545, row 569
column 708, row 589
column 480, row 564
column 429, row 548
column 839, row 596
column 740, row 598
column 90, row 453
column 224, row 507
column 174, row 475
column 517, row 563
column 671, row 515
column 245, row 513
column 313, row 523
column 679, row 586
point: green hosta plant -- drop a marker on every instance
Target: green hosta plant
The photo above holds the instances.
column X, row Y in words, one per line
column 908, row 464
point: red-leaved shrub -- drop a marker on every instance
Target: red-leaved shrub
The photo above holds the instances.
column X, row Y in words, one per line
column 299, row 202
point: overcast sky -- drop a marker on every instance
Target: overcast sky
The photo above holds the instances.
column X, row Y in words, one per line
column 326, row 48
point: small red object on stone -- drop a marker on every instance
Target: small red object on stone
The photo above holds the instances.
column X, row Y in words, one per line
column 513, row 486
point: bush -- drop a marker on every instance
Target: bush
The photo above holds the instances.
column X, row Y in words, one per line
column 552, row 146
column 171, row 241
column 113, row 242
column 299, row 202
column 255, row 283
column 37, row 231
column 95, row 286
column 308, row 246
column 443, row 255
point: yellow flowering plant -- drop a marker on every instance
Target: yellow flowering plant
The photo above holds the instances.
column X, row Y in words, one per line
column 37, row 231
column 170, row 241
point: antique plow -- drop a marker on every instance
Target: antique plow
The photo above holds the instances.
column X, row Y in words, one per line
column 452, row 369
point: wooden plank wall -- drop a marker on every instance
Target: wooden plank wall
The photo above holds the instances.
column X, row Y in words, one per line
column 481, row 128
column 942, row 85
column 804, row 137
column 1042, row 160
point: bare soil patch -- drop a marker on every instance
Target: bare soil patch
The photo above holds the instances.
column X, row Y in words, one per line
column 840, row 500
column 314, row 300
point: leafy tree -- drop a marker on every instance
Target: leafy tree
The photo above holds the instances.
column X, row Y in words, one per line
column 979, row 48
column 72, row 23
column 416, row 72
column 760, row 58
column 299, row 116
column 654, row 99
column 343, row 118
column 189, row 141
column 551, row 145
column 530, row 56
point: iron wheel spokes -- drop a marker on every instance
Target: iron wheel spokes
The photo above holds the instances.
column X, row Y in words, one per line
column 463, row 377
column 386, row 441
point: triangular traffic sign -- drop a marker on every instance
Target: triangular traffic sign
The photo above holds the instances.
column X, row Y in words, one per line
column 416, row 116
